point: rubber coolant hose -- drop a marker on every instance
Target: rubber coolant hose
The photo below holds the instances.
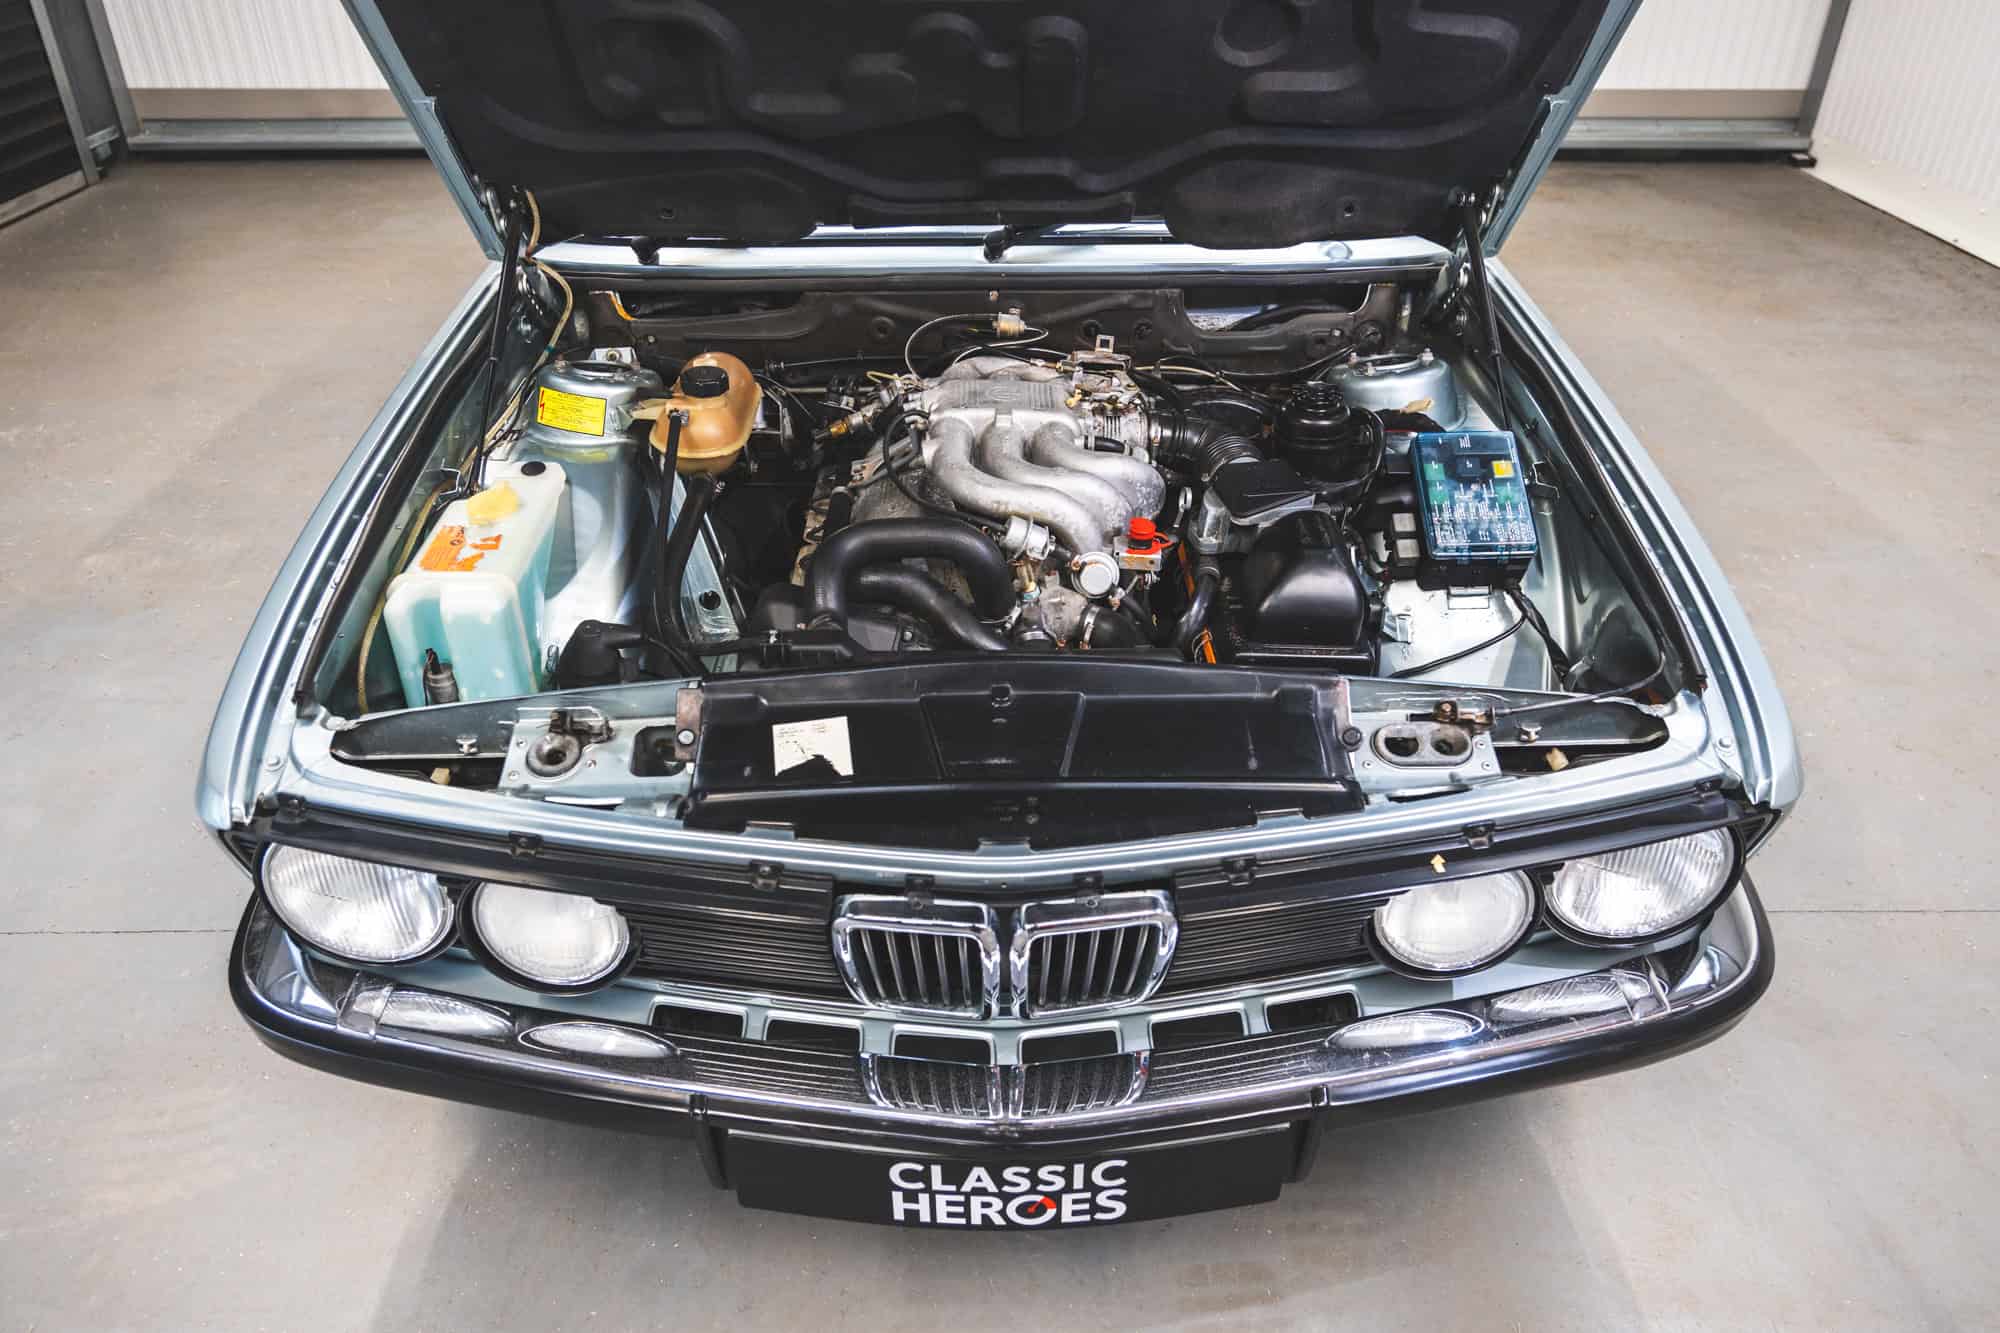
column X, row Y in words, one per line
column 673, row 567
column 1207, row 577
column 920, row 595
column 843, row 555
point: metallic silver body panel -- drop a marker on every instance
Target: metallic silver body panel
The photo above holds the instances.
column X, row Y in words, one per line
column 1754, row 731
column 251, row 735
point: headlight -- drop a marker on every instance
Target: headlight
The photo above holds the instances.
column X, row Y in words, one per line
column 357, row 909
column 560, row 940
column 1640, row 892
column 1457, row 925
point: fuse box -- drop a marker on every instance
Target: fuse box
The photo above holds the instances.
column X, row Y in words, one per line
column 1476, row 524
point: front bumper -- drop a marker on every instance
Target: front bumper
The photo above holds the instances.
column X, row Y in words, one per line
column 330, row 1017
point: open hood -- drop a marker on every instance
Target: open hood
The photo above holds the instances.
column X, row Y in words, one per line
column 1239, row 122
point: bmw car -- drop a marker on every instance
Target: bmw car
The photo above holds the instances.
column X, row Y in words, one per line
column 1000, row 614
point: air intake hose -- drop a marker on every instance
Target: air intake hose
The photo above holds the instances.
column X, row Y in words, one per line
column 920, row 595
column 841, row 557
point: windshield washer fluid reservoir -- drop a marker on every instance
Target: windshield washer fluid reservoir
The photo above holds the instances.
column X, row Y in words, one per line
column 476, row 592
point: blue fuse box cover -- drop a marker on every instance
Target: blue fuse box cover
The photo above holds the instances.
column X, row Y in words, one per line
column 1477, row 523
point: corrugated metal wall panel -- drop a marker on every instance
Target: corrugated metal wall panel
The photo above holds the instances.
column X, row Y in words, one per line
column 1730, row 44
column 40, row 158
column 1914, row 86
column 239, row 44
column 1911, row 120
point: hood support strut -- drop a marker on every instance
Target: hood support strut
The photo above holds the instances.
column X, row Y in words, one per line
column 1478, row 293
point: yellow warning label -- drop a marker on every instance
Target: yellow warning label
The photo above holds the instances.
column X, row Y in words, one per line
column 1502, row 468
column 570, row 411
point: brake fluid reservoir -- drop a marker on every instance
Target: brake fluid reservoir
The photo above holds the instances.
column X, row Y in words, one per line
column 476, row 591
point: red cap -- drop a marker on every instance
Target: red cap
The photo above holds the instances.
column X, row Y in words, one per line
column 1141, row 531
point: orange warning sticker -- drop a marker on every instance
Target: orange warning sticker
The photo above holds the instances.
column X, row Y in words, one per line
column 448, row 552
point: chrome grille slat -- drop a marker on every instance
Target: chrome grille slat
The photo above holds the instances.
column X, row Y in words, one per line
column 1117, row 952
column 874, row 963
column 1137, row 954
column 895, row 963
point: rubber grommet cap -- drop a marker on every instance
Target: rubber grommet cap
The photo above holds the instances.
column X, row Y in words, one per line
column 705, row 381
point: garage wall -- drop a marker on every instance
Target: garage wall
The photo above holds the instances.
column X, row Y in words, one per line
column 1911, row 121
column 1718, row 58
column 245, row 59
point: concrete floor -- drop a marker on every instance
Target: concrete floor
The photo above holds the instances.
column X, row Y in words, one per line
column 193, row 346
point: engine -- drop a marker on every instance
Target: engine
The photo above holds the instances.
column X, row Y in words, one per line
column 1129, row 514
column 1057, row 460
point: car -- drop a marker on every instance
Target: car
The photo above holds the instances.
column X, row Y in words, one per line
column 1003, row 614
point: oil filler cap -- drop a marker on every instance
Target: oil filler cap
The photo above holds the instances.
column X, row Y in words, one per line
column 705, row 381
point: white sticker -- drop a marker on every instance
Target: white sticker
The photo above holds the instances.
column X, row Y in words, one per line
column 795, row 743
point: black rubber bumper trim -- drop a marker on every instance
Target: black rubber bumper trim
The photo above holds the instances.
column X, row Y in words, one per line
column 366, row 1062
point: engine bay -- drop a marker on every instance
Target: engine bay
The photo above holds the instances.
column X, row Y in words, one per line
column 1269, row 485
column 990, row 490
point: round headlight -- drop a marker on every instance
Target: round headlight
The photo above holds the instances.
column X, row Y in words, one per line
column 1642, row 891
column 1457, row 925
column 357, row 909
column 562, row 940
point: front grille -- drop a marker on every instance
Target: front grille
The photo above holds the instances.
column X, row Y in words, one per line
column 940, row 959
column 1089, row 953
column 767, row 951
column 1222, row 946
column 988, row 1092
column 783, row 953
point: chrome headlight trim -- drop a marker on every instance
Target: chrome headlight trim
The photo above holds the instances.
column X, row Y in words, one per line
column 426, row 947
column 1552, row 911
column 1390, row 959
column 497, row 963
